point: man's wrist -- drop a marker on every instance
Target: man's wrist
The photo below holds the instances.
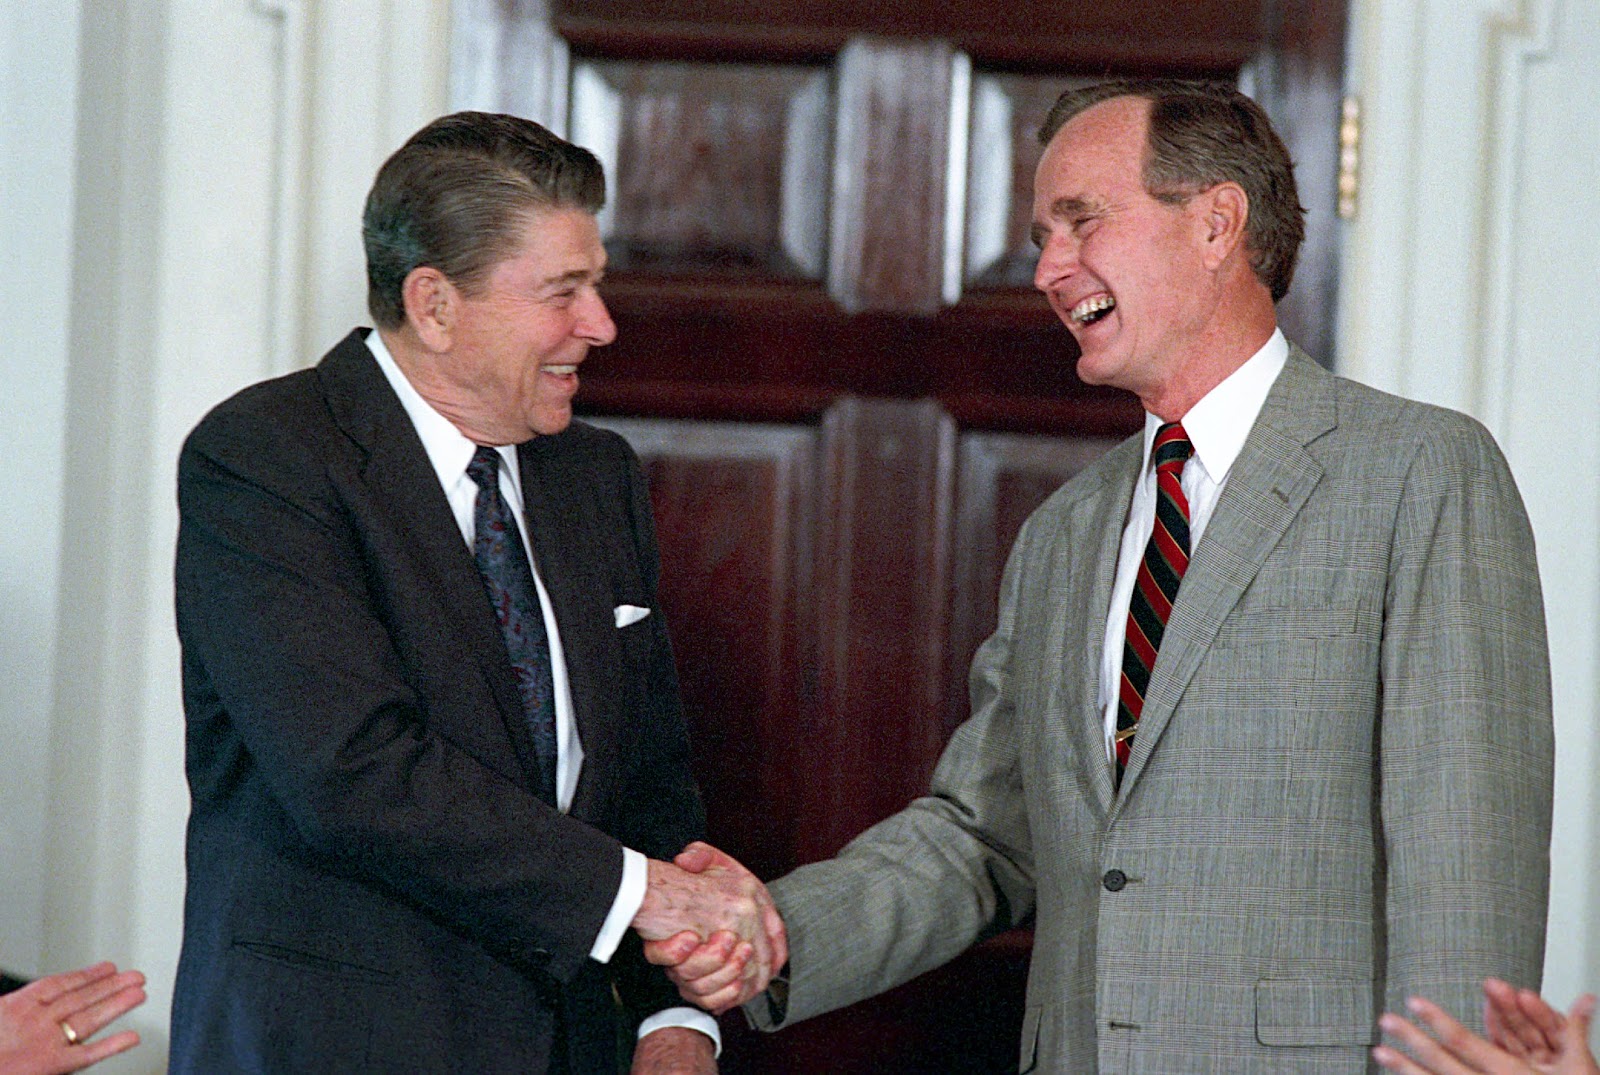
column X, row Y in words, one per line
column 686, row 1019
column 630, row 895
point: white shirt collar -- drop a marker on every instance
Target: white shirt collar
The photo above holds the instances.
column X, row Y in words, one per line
column 1219, row 424
column 448, row 450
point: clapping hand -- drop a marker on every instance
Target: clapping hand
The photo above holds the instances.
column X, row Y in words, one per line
column 1529, row 1038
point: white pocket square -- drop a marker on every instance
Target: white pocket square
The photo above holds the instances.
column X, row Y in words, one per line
column 627, row 614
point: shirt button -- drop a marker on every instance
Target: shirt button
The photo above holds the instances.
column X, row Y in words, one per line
column 1114, row 880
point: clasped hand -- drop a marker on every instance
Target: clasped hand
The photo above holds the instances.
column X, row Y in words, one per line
column 713, row 925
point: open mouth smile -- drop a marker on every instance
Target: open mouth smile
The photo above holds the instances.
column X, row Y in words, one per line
column 1092, row 309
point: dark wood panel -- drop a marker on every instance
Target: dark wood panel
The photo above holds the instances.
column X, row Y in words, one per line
column 1004, row 139
column 999, row 361
column 891, row 156
column 734, row 508
column 828, row 578
column 1195, row 36
column 964, row 1018
column 718, row 168
column 1002, row 478
column 883, row 570
column 1303, row 67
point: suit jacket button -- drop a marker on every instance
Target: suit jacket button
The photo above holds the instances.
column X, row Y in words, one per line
column 1114, row 880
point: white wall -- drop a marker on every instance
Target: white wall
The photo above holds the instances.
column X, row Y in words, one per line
column 38, row 117
column 184, row 183
column 1468, row 280
column 204, row 234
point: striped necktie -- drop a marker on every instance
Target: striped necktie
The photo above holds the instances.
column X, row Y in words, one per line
column 1166, row 558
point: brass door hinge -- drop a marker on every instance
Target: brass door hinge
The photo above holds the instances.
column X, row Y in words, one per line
column 1349, row 156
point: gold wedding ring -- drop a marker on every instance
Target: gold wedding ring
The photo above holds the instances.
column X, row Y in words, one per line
column 71, row 1035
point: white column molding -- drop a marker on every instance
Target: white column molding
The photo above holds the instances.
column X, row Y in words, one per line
column 39, row 116
column 509, row 61
column 382, row 70
column 216, row 241
column 1518, row 39
column 289, row 151
column 1466, row 281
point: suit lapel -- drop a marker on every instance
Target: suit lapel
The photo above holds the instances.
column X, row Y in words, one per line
column 1266, row 488
column 1079, row 618
column 405, row 490
column 563, row 530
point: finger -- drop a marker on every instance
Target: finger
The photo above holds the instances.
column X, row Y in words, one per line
column 1549, row 1022
column 725, row 1001
column 51, row 989
column 724, row 948
column 1428, row 1055
column 95, row 1051
column 673, row 950
column 1500, row 1013
column 1575, row 1035
column 91, row 1020
column 1460, row 1042
column 715, row 981
column 1394, row 1060
column 1510, row 1026
column 694, row 858
column 92, row 993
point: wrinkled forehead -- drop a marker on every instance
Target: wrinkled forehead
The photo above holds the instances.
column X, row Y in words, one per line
column 1120, row 123
column 1100, row 150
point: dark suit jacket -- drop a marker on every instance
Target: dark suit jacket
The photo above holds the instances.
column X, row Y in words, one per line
column 373, row 884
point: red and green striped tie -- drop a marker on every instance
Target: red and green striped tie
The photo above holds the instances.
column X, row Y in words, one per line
column 1166, row 558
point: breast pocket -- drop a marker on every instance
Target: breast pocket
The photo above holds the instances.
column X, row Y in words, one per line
column 1296, row 658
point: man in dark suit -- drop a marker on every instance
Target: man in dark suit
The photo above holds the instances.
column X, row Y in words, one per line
column 1262, row 739
column 435, row 746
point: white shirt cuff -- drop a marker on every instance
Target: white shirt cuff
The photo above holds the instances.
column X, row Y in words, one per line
column 630, row 897
column 691, row 1018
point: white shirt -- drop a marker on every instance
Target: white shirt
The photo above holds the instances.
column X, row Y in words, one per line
column 1217, row 427
column 450, row 452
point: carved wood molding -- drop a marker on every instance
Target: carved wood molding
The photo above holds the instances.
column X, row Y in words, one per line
column 890, row 162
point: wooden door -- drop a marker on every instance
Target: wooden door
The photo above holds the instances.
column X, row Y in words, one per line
column 846, row 394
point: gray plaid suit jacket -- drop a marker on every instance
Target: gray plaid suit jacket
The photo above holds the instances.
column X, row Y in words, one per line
column 1340, row 790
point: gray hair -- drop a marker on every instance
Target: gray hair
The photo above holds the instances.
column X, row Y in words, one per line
column 455, row 196
column 1202, row 134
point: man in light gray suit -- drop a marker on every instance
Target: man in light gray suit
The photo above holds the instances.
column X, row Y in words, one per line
column 1332, row 789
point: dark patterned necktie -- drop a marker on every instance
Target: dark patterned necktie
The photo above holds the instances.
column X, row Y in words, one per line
column 497, row 547
column 1166, row 558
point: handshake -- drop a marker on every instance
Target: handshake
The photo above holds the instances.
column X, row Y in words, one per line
column 712, row 924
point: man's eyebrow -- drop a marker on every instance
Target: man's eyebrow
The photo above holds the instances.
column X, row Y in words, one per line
column 1063, row 208
column 1071, row 206
column 575, row 276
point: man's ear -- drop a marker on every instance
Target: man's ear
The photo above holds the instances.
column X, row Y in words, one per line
column 1225, row 212
column 432, row 305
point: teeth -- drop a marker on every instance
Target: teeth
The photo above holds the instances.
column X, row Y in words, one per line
column 560, row 370
column 1089, row 311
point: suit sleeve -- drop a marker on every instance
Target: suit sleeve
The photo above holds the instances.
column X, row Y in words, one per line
column 292, row 679
column 1466, row 741
column 917, row 889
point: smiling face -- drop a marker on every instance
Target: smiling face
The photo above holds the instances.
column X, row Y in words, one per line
column 507, row 353
column 1124, row 271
